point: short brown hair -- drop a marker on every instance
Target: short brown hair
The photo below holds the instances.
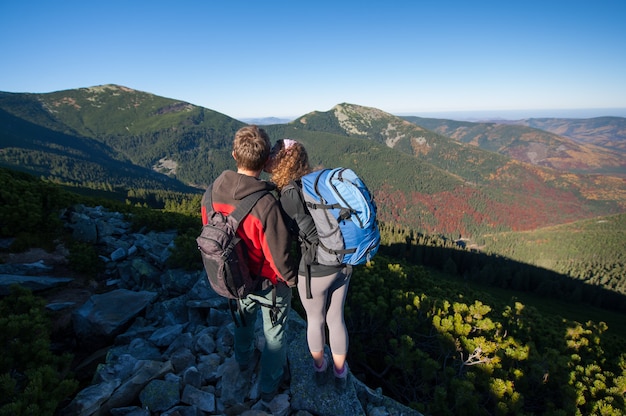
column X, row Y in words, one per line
column 251, row 148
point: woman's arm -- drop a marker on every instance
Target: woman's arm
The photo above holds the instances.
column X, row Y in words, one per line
column 302, row 222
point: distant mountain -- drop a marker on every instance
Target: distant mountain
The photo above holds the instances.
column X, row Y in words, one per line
column 529, row 142
column 607, row 132
column 113, row 136
column 266, row 120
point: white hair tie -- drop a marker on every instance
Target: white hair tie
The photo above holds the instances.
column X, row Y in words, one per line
column 288, row 143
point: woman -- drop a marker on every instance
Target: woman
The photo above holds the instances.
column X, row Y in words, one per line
column 329, row 284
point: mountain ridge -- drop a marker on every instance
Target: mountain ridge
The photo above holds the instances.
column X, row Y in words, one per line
column 421, row 179
column 607, row 131
column 526, row 142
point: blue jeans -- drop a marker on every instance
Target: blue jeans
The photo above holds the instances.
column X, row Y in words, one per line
column 274, row 355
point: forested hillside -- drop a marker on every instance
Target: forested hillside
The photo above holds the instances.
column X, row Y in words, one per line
column 115, row 139
column 449, row 348
column 593, row 250
column 472, row 164
column 140, row 128
column 74, row 160
column 437, row 319
column 494, row 192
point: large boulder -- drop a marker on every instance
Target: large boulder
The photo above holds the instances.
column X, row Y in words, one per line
column 107, row 315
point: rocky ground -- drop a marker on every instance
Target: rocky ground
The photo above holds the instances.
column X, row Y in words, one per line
column 74, row 293
column 149, row 340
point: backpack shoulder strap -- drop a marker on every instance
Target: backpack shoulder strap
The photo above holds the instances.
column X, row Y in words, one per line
column 207, row 198
column 292, row 184
column 297, row 185
column 315, row 177
column 245, row 205
column 308, row 248
column 242, row 209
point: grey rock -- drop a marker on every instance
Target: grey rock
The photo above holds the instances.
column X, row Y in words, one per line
column 117, row 368
column 163, row 337
column 129, row 390
column 183, row 411
column 59, row 306
column 192, row 377
column 326, row 400
column 184, row 341
column 34, row 283
column 204, row 342
column 90, row 399
column 106, row 315
column 182, row 359
column 118, row 254
column 130, row 411
column 84, row 229
column 143, row 349
column 203, row 400
column 208, row 366
column 177, row 283
column 234, row 384
column 170, row 311
column 160, row 395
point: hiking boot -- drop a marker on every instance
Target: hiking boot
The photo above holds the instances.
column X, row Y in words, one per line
column 341, row 378
column 274, row 404
column 320, row 372
column 283, row 384
column 266, row 398
column 286, row 380
column 341, row 383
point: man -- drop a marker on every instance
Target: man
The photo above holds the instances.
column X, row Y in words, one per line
column 268, row 242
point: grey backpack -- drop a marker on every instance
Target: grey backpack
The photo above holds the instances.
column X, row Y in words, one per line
column 223, row 253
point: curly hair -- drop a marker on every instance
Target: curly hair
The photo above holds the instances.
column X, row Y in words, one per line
column 289, row 161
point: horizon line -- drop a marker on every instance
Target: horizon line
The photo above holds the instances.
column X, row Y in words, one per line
column 575, row 113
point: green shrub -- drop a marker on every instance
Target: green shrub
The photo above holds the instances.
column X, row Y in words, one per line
column 33, row 380
column 185, row 254
column 83, row 258
column 447, row 349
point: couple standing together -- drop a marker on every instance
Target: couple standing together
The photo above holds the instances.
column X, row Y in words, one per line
column 267, row 233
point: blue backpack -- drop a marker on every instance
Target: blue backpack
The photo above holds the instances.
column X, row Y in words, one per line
column 344, row 213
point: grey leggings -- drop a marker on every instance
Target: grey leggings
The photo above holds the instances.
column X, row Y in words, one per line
column 326, row 308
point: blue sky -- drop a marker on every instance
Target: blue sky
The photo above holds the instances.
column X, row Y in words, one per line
column 288, row 58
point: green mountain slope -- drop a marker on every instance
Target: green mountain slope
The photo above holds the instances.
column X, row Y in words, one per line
column 379, row 165
column 421, row 179
column 73, row 160
column 143, row 128
column 468, row 162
